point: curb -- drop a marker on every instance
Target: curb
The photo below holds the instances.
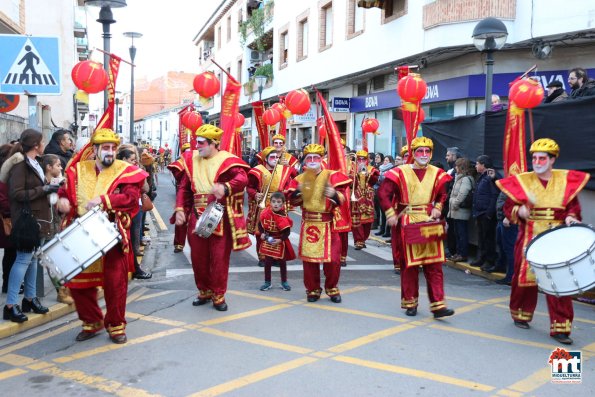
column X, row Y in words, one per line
column 8, row 328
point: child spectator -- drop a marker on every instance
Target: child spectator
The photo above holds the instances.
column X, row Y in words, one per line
column 275, row 227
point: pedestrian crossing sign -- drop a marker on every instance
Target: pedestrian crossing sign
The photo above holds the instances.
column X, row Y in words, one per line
column 30, row 65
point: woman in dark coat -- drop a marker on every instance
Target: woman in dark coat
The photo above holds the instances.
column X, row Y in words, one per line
column 26, row 182
column 10, row 253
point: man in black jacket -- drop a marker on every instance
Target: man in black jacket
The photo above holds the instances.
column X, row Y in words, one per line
column 581, row 84
column 60, row 145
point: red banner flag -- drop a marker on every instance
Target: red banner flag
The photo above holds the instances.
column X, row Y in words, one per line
column 335, row 154
column 107, row 120
column 514, row 148
column 229, row 108
column 261, row 127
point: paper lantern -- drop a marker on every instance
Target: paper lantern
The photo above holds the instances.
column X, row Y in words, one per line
column 421, row 116
column 239, row 120
column 412, row 88
column 89, row 76
column 282, row 109
column 298, row 101
column 271, row 117
column 206, row 84
column 370, row 125
column 192, row 120
column 526, row 94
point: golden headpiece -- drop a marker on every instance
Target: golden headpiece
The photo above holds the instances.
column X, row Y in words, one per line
column 314, row 148
column 209, row 131
column 278, row 137
column 146, row 159
column 343, row 142
column 266, row 151
column 421, row 141
column 545, row 145
column 105, row 135
column 361, row 153
column 185, row 146
column 404, row 151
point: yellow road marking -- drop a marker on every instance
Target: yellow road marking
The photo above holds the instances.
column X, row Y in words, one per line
column 111, row 347
column 12, row 373
column 156, row 320
column 132, row 297
column 39, row 338
column 256, row 296
column 494, row 337
column 373, row 337
column 421, row 293
column 322, row 354
column 98, row 382
column 533, row 381
column 352, row 290
column 469, row 308
column 16, row 360
column 508, row 393
column 249, row 313
column 543, row 314
column 415, row 373
column 256, row 341
column 357, row 313
column 159, row 220
column 254, row 377
column 155, row 295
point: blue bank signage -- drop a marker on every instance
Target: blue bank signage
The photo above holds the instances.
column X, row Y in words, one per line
column 30, row 65
column 340, row 105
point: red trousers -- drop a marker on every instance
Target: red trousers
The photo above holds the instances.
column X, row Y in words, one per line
column 523, row 301
column 361, row 232
column 410, row 286
column 395, row 238
column 210, row 261
column 332, row 271
column 344, row 245
column 115, row 286
column 180, row 236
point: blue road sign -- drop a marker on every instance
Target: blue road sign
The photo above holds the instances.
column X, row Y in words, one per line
column 30, row 64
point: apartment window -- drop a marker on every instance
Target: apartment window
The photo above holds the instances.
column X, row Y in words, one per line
column 228, row 28
column 302, row 39
column 378, row 83
column 355, row 19
column 325, row 39
column 362, row 89
column 283, row 48
column 239, row 74
column 394, row 9
column 218, row 37
column 240, row 18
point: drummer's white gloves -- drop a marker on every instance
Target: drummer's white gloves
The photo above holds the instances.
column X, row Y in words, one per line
column 63, row 205
column 180, row 218
column 436, row 213
column 93, row 202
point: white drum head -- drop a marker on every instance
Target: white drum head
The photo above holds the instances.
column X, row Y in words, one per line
column 560, row 245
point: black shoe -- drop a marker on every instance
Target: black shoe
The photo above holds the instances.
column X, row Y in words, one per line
column 379, row 233
column 260, row 263
column 503, row 281
column 397, row 271
column 412, row 311
column 4, row 288
column 146, row 229
column 444, row 312
column 313, row 298
column 200, row 301
column 142, row 275
column 521, row 324
column 119, row 339
column 177, row 249
column 477, row 263
column 386, row 235
column 83, row 336
column 14, row 314
column 336, row 298
column 139, row 253
column 562, row 338
column 35, row 305
column 222, row 307
column 343, row 264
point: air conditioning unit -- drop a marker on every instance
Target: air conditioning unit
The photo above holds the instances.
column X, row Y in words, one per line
column 255, row 56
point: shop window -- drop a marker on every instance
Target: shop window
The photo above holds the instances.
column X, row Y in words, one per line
column 441, row 111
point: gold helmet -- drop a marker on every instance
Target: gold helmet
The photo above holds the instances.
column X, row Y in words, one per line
column 545, row 145
column 343, row 142
column 421, row 141
column 314, row 148
column 209, row 131
column 105, row 135
column 266, row 151
column 404, row 151
column 185, row 146
column 361, row 153
column 278, row 137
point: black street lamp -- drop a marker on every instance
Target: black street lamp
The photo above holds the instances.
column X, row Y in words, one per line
column 132, row 51
column 489, row 35
column 260, row 83
column 106, row 18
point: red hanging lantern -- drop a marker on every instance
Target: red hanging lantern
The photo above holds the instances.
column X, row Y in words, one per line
column 282, row 109
column 192, row 120
column 271, row 117
column 370, row 125
column 421, row 116
column 239, row 120
column 89, row 76
column 526, row 94
column 298, row 101
column 206, row 84
column 412, row 88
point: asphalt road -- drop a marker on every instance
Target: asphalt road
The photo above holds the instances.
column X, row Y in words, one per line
column 275, row 343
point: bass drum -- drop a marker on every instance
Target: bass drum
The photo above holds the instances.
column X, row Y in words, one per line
column 563, row 259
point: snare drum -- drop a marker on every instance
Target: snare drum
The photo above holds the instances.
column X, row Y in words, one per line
column 73, row 250
column 563, row 259
column 209, row 220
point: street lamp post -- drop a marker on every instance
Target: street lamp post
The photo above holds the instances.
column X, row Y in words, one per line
column 132, row 35
column 106, row 18
column 260, row 82
column 489, row 35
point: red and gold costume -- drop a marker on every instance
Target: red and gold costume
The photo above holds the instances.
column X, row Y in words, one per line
column 395, row 237
column 319, row 243
column 550, row 202
column 276, row 225
column 210, row 256
column 362, row 210
column 412, row 193
column 342, row 223
column 180, row 231
column 119, row 187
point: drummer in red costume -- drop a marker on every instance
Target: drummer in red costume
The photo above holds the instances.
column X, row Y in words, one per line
column 287, row 160
column 362, row 210
column 115, row 186
column 413, row 193
column 537, row 201
column 319, row 192
column 259, row 178
column 177, row 170
column 212, row 174
column 342, row 217
column 396, row 230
